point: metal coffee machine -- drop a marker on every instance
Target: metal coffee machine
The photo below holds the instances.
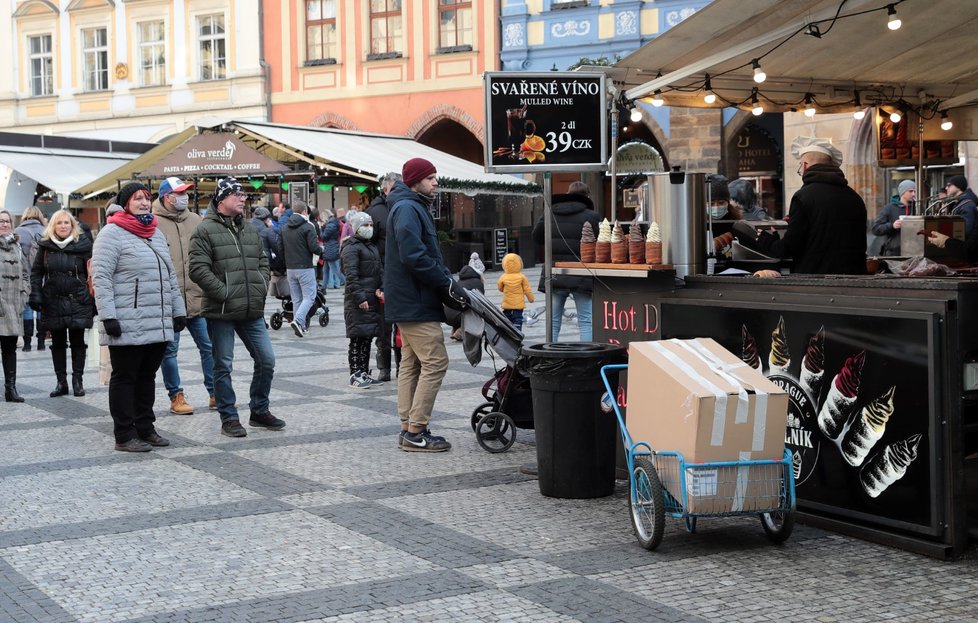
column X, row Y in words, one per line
column 913, row 243
column 679, row 200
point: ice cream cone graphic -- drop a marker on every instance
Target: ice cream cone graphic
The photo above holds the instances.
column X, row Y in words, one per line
column 842, row 397
column 813, row 365
column 779, row 359
column 867, row 428
column 888, row 466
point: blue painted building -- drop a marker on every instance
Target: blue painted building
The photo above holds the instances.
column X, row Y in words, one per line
column 540, row 35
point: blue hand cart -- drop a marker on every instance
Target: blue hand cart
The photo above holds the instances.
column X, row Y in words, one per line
column 718, row 489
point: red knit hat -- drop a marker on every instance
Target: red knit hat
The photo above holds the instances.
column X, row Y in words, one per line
column 415, row 170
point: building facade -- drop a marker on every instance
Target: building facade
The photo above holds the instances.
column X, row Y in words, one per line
column 405, row 68
column 136, row 70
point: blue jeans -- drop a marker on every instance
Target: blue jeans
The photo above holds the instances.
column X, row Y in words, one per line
column 254, row 335
column 516, row 317
column 332, row 275
column 171, row 371
column 582, row 301
column 302, row 286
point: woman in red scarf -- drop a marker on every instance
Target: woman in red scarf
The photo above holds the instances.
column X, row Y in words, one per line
column 140, row 307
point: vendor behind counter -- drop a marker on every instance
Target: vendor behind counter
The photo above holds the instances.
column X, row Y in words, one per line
column 826, row 231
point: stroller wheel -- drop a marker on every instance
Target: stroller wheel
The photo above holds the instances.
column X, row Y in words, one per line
column 276, row 321
column 495, row 432
column 324, row 318
column 482, row 410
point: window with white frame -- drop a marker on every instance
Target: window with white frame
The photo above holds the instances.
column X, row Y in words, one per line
column 212, row 45
column 454, row 24
column 41, row 61
column 152, row 53
column 385, row 27
column 320, row 30
column 95, row 59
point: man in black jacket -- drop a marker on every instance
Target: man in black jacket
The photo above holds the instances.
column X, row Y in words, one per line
column 827, row 220
column 298, row 242
column 378, row 212
column 570, row 212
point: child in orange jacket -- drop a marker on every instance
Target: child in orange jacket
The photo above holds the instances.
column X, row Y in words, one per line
column 515, row 286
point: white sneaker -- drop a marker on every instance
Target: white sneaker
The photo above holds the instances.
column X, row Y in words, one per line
column 359, row 380
column 299, row 331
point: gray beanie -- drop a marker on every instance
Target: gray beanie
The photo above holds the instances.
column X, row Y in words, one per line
column 906, row 185
column 358, row 220
column 262, row 213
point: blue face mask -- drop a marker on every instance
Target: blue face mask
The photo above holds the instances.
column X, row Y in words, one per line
column 145, row 219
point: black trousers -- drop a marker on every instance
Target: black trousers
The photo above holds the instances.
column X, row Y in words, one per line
column 359, row 354
column 132, row 389
column 384, row 343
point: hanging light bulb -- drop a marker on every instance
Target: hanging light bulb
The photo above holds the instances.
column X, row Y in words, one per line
column 657, row 98
column 759, row 75
column 636, row 115
column 946, row 123
column 895, row 116
column 809, row 108
column 860, row 113
column 709, row 97
column 757, row 109
column 894, row 22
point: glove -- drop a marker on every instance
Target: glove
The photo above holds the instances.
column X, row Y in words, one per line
column 179, row 323
column 453, row 296
column 112, row 327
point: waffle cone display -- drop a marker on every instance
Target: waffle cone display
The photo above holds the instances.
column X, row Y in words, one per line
column 619, row 252
column 587, row 252
column 653, row 252
column 602, row 252
column 636, row 252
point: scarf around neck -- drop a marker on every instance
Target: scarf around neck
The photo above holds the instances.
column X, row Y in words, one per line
column 62, row 243
column 129, row 223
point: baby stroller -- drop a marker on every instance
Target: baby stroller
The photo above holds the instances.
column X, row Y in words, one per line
column 509, row 403
column 283, row 294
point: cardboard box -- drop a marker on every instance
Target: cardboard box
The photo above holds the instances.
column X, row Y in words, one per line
column 696, row 398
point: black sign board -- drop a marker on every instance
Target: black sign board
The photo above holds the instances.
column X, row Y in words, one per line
column 859, row 416
column 500, row 244
column 554, row 121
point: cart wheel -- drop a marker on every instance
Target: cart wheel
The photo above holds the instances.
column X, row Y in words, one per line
column 323, row 318
column 495, row 432
column 482, row 410
column 690, row 523
column 276, row 321
column 646, row 504
column 778, row 525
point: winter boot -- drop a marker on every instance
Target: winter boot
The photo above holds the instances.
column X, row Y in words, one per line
column 59, row 356
column 78, row 369
column 28, row 335
column 10, row 377
column 40, row 337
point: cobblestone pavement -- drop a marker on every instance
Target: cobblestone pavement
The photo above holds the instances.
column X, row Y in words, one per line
column 328, row 521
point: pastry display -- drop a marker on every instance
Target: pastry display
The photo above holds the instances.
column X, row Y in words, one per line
column 779, row 358
column 749, row 354
column 888, row 466
column 602, row 249
column 653, row 244
column 813, row 365
column 619, row 248
column 588, row 242
column 636, row 243
column 722, row 242
column 842, row 396
column 867, row 428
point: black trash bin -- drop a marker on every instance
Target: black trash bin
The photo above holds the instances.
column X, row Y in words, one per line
column 575, row 436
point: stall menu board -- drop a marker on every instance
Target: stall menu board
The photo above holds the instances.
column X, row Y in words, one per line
column 501, row 245
column 554, row 121
column 858, row 413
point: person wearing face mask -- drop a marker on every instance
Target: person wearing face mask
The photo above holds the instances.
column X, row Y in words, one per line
column 141, row 308
column 177, row 224
column 363, row 297
column 15, row 286
column 229, row 264
column 59, row 290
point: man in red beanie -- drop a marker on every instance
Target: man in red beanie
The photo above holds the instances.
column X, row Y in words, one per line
column 416, row 284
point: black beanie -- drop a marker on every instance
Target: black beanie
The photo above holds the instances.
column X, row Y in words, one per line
column 959, row 181
column 719, row 191
column 128, row 191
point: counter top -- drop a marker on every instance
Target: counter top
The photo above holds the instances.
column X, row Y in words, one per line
column 886, row 282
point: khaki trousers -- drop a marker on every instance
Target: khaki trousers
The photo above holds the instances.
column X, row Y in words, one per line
column 424, row 362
